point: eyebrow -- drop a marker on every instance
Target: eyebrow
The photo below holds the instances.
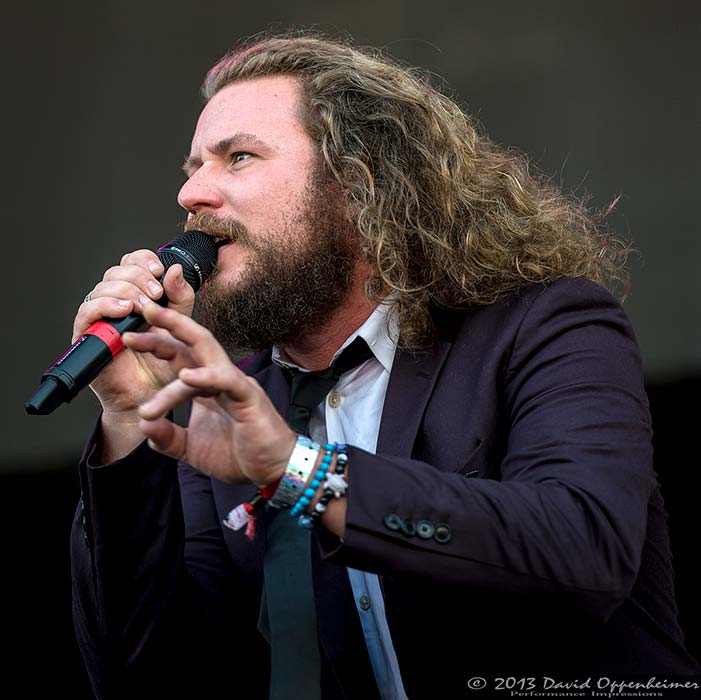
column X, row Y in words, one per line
column 224, row 146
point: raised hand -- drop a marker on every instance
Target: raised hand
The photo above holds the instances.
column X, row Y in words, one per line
column 235, row 434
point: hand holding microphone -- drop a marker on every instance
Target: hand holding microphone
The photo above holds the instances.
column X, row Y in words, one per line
column 171, row 276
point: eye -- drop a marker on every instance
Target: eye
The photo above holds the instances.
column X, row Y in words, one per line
column 239, row 157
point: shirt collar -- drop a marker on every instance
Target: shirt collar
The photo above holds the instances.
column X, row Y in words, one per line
column 381, row 340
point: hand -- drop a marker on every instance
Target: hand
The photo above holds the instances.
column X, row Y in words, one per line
column 132, row 379
column 235, row 434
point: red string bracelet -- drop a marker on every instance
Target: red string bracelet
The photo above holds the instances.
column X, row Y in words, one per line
column 245, row 513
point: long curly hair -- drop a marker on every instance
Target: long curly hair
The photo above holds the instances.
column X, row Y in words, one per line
column 447, row 217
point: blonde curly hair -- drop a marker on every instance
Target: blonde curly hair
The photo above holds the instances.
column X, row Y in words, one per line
column 447, row 218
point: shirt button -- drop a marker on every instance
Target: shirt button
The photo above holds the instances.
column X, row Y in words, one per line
column 365, row 602
column 335, row 399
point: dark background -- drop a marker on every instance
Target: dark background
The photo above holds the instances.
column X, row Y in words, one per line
column 100, row 103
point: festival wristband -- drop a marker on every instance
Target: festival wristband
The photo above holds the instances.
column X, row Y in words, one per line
column 301, row 464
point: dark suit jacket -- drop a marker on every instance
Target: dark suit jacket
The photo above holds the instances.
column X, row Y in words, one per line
column 522, row 437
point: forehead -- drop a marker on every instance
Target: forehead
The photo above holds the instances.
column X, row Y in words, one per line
column 269, row 108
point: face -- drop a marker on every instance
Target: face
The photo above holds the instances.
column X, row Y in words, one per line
column 255, row 178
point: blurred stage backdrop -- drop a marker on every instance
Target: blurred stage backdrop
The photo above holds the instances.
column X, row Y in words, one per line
column 100, row 103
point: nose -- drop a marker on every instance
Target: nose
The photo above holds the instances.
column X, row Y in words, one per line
column 198, row 193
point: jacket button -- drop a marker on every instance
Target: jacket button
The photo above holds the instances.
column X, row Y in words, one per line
column 425, row 529
column 392, row 521
column 408, row 527
column 443, row 533
column 364, row 601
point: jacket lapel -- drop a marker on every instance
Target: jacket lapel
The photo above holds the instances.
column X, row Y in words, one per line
column 411, row 384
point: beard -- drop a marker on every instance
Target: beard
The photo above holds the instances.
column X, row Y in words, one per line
column 292, row 282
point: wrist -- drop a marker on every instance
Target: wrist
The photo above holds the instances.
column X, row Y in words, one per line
column 272, row 478
column 124, row 418
column 118, row 435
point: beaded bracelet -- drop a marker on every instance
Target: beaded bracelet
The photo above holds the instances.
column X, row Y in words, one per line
column 335, row 486
column 307, row 496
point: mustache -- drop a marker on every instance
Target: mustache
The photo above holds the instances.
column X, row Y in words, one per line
column 217, row 226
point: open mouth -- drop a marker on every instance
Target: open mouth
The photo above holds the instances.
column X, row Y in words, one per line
column 223, row 241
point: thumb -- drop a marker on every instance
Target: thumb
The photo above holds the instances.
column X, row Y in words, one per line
column 181, row 296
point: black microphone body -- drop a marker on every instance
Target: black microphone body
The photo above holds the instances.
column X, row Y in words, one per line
column 101, row 343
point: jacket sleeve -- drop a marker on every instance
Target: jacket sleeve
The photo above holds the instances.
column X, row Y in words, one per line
column 152, row 589
column 567, row 512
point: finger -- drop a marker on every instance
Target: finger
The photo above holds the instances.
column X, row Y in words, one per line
column 122, row 289
column 94, row 310
column 137, row 275
column 144, row 258
column 164, row 347
column 172, row 395
column 204, row 346
column 221, row 380
column 181, row 296
column 166, row 437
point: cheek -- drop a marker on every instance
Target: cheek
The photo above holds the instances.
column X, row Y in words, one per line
column 270, row 194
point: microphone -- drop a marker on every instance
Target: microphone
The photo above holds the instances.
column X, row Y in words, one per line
column 102, row 342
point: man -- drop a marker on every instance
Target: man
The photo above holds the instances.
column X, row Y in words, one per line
column 501, row 517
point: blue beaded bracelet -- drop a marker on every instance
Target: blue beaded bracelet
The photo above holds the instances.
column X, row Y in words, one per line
column 335, row 486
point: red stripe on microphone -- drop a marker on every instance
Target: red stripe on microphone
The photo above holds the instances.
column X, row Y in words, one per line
column 108, row 335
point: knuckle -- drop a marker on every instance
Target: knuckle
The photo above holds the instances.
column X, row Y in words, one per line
column 116, row 289
column 109, row 304
column 145, row 258
column 111, row 272
column 254, row 383
column 134, row 257
column 204, row 333
column 151, row 256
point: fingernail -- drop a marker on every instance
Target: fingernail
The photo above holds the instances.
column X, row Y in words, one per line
column 143, row 299
column 154, row 267
column 124, row 302
column 154, row 287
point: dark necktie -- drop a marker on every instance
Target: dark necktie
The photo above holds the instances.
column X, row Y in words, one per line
column 308, row 389
column 288, row 613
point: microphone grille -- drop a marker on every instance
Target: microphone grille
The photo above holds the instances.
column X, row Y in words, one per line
column 195, row 251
